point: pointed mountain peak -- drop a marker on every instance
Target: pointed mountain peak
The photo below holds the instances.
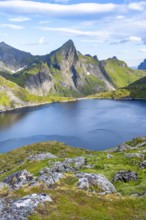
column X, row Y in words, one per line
column 69, row 45
column 3, row 44
column 69, row 42
column 66, row 52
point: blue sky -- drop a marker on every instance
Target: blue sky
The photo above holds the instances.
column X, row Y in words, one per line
column 104, row 28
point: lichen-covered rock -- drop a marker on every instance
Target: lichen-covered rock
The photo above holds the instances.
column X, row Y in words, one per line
column 41, row 156
column 90, row 166
column 142, row 165
column 122, row 147
column 18, row 179
column 78, row 162
column 50, row 179
column 125, row 176
column 19, row 209
column 108, row 156
column 3, row 185
column 83, row 184
column 138, row 155
column 61, row 167
column 96, row 180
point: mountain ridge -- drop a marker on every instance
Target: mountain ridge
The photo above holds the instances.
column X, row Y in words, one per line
column 64, row 72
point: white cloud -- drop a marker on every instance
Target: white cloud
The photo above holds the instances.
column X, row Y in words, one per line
column 45, row 22
column 103, row 34
column 12, row 26
column 134, row 39
column 19, row 19
column 56, row 10
column 142, row 50
column 119, row 17
column 42, row 40
column 62, row 1
column 140, row 6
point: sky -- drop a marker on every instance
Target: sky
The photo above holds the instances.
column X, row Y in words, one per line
column 105, row 28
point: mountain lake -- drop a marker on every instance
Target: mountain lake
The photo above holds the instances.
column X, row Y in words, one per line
column 91, row 124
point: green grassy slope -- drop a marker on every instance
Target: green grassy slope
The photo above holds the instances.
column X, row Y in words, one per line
column 136, row 90
column 72, row 203
column 120, row 74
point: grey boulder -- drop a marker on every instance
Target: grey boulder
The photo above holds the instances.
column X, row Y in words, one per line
column 50, row 179
column 122, row 147
column 19, row 209
column 142, row 165
column 95, row 180
column 18, row 179
column 135, row 155
column 125, row 176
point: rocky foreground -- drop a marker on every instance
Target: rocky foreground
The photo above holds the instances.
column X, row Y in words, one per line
column 54, row 181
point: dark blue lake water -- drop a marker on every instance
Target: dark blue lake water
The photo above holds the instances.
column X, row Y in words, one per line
column 91, row 124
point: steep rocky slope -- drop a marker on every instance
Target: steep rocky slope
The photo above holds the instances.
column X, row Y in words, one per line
column 66, row 72
column 53, row 181
column 12, row 59
column 13, row 96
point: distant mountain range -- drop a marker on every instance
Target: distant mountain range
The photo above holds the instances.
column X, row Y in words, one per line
column 142, row 66
column 26, row 79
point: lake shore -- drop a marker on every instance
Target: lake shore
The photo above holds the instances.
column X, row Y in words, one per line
column 67, row 100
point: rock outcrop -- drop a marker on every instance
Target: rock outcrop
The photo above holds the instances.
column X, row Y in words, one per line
column 142, row 165
column 135, row 155
column 89, row 179
column 121, row 147
column 19, row 209
column 41, row 156
column 125, row 176
column 18, row 179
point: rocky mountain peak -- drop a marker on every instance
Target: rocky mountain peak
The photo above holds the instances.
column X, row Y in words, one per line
column 68, row 50
column 13, row 58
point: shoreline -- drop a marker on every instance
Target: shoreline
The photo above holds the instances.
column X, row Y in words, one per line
column 65, row 101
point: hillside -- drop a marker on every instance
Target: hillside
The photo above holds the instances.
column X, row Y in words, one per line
column 119, row 74
column 53, row 181
column 136, row 90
